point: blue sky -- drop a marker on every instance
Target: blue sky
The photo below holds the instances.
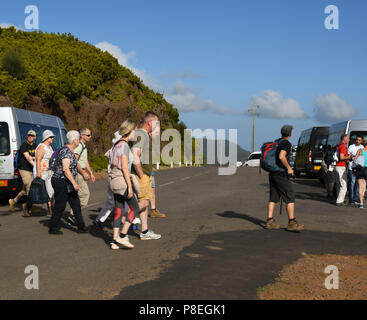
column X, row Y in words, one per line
column 213, row 59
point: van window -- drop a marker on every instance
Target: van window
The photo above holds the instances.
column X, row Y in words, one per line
column 4, row 139
column 320, row 142
column 354, row 134
column 25, row 127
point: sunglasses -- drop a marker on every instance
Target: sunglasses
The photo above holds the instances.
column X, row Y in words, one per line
column 88, row 135
column 31, row 135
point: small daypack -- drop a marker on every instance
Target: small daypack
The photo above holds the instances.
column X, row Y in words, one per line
column 268, row 157
column 54, row 159
column 37, row 192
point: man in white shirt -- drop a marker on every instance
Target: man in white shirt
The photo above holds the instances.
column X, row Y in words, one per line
column 352, row 184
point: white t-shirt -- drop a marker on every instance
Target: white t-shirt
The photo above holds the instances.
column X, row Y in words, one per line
column 353, row 149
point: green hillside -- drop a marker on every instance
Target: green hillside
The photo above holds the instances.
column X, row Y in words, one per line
column 54, row 67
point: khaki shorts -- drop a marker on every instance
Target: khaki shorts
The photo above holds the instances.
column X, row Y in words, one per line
column 145, row 187
column 27, row 177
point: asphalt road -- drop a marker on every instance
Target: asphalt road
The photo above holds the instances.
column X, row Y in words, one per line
column 213, row 244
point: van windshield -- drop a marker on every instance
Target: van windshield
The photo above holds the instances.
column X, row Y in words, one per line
column 4, row 139
column 320, row 143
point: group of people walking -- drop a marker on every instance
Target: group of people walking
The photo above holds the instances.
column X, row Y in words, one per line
column 351, row 171
column 131, row 185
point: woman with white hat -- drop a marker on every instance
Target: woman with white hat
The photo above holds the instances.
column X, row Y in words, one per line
column 41, row 167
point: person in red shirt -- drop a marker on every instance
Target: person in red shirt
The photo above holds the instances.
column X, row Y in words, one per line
column 341, row 168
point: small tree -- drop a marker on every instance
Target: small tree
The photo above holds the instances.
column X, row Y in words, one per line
column 12, row 62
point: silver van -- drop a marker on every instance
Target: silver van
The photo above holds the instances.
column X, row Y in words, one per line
column 14, row 126
column 353, row 128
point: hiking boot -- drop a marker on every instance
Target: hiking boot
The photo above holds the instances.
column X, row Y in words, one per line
column 155, row 213
column 294, row 226
column 150, row 235
column 26, row 212
column 12, row 205
column 271, row 225
column 125, row 242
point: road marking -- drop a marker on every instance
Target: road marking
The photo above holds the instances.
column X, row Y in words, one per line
column 183, row 179
column 214, row 248
column 166, row 184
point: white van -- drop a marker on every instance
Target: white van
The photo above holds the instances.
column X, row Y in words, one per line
column 253, row 159
column 353, row 128
column 14, row 125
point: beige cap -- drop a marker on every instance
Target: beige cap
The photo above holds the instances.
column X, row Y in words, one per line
column 32, row 132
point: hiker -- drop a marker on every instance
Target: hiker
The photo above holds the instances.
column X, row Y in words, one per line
column 142, row 167
column 341, row 168
column 109, row 205
column 26, row 158
column 361, row 172
column 154, row 212
column 280, row 184
column 121, row 184
column 41, row 168
column 81, row 154
column 65, row 186
column 352, row 183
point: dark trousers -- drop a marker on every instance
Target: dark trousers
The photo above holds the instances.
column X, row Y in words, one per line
column 61, row 198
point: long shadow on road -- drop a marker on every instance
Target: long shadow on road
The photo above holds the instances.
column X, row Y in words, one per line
column 233, row 265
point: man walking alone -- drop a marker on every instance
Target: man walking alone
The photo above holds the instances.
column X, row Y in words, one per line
column 280, row 185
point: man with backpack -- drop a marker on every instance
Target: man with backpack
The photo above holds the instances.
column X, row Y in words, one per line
column 26, row 158
column 280, row 184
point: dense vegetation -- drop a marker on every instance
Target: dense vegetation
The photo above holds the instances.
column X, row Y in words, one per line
column 59, row 66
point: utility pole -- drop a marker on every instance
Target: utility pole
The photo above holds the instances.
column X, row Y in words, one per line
column 253, row 126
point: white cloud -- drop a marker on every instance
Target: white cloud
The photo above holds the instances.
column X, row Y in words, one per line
column 185, row 99
column 273, row 105
column 8, row 25
column 331, row 108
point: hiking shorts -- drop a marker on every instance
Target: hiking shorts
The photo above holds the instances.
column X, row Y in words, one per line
column 281, row 186
column 145, row 184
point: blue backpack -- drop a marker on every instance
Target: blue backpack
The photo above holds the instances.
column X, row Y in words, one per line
column 16, row 160
column 268, row 157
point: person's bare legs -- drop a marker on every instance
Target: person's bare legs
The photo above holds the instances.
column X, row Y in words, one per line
column 152, row 199
column 143, row 205
column 362, row 190
column 290, row 210
column 271, row 208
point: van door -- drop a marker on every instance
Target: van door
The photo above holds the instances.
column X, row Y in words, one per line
column 6, row 158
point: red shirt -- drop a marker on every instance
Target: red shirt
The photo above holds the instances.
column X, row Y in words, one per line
column 342, row 149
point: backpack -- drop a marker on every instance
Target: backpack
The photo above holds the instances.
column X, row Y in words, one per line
column 268, row 157
column 16, row 160
column 54, row 159
column 37, row 192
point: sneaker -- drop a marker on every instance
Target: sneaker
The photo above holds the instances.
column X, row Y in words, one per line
column 360, row 206
column 99, row 225
column 136, row 221
column 12, row 205
column 125, row 242
column 150, row 235
column 272, row 225
column 155, row 213
column 294, row 226
column 114, row 245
